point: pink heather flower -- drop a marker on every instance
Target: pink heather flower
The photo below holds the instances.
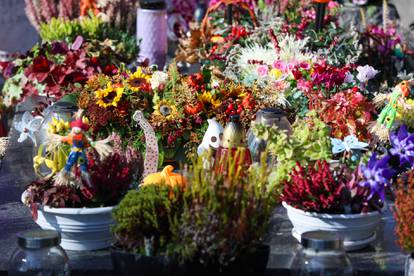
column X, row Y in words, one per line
column 262, row 70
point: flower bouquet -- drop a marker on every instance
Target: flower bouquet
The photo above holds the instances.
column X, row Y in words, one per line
column 177, row 106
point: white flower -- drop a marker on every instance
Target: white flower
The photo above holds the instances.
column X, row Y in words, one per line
column 360, row 2
column 28, row 126
column 293, row 50
column 365, row 73
column 158, row 78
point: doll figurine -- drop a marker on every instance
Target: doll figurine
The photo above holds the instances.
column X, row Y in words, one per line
column 381, row 128
column 79, row 141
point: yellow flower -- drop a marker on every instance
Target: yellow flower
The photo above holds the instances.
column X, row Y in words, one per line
column 57, row 126
column 136, row 80
column 276, row 73
column 208, row 98
column 110, row 96
column 166, row 109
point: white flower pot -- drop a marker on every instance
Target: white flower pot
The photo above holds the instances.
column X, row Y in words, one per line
column 80, row 228
column 357, row 230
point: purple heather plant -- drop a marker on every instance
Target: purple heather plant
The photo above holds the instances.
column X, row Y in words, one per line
column 403, row 146
column 376, row 175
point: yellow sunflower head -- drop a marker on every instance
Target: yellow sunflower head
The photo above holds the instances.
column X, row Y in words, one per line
column 166, row 109
column 208, row 98
column 137, row 79
column 110, row 96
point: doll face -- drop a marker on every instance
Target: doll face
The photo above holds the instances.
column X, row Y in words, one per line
column 76, row 130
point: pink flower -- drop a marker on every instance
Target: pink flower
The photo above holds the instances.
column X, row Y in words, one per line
column 333, row 4
column 280, row 65
column 263, row 70
column 304, row 86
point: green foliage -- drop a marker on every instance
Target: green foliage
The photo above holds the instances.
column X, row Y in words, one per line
column 225, row 212
column 145, row 214
column 60, row 29
column 95, row 31
column 309, row 142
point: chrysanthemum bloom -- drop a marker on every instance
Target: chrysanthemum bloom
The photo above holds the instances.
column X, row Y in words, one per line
column 110, row 96
column 137, row 80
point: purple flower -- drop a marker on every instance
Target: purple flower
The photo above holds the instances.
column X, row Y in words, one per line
column 365, row 73
column 403, row 146
column 376, row 175
column 59, row 47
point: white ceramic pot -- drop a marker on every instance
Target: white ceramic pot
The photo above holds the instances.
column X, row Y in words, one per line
column 357, row 230
column 80, row 228
column 409, row 265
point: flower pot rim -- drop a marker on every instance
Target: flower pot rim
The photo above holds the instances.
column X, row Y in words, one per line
column 77, row 211
column 71, row 211
column 334, row 216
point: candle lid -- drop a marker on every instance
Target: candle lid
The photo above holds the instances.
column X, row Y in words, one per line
column 35, row 239
column 152, row 4
column 321, row 240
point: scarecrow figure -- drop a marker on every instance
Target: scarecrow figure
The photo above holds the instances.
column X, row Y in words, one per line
column 79, row 141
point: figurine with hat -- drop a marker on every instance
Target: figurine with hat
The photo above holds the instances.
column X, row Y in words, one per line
column 79, row 141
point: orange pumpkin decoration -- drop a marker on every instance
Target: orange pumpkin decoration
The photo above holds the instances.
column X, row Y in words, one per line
column 166, row 176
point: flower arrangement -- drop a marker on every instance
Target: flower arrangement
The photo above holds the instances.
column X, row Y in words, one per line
column 176, row 106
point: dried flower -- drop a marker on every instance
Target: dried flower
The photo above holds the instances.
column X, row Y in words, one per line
column 404, row 211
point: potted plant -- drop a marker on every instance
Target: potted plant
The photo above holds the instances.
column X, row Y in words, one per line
column 325, row 181
column 143, row 230
column 318, row 197
column 216, row 223
column 78, row 201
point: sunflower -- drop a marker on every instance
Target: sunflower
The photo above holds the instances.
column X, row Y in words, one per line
column 208, row 98
column 166, row 109
column 110, row 96
column 138, row 79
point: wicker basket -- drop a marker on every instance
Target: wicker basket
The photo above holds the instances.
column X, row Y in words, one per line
column 194, row 46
